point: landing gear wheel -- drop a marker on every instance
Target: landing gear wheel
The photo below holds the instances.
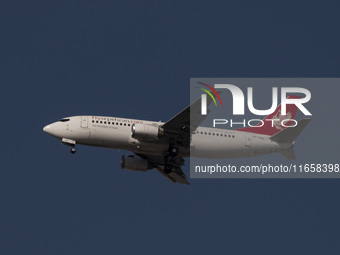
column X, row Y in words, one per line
column 173, row 151
column 73, row 150
column 167, row 168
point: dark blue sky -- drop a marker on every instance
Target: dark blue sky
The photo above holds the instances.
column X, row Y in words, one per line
column 134, row 59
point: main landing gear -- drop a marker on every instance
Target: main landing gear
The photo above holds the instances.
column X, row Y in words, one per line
column 170, row 157
column 172, row 151
column 167, row 168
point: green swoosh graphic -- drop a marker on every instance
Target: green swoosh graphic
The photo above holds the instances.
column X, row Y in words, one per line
column 209, row 94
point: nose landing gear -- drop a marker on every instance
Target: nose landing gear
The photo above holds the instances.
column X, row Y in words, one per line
column 71, row 143
column 73, row 150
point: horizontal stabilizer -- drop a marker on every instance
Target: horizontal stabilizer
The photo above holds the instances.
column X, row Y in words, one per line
column 289, row 134
column 289, row 154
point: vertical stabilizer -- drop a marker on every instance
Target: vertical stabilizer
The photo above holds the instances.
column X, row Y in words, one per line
column 289, row 134
column 272, row 124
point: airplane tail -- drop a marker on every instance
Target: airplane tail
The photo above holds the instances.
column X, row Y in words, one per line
column 289, row 135
column 272, row 124
column 289, row 154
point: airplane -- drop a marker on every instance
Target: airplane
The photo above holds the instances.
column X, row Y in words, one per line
column 162, row 146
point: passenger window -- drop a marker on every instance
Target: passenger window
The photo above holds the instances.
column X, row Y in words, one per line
column 101, row 122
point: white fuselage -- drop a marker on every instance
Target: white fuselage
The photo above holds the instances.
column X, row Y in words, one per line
column 206, row 142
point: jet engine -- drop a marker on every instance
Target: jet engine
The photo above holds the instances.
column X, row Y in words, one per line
column 135, row 163
column 145, row 132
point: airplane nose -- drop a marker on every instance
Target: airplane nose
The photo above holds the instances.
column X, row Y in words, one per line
column 46, row 128
column 55, row 129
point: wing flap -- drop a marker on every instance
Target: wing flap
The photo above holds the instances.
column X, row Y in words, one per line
column 176, row 175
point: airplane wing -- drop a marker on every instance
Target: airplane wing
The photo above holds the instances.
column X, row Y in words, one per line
column 179, row 128
column 176, row 175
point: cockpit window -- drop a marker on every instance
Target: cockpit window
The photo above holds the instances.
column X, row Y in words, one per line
column 64, row 120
